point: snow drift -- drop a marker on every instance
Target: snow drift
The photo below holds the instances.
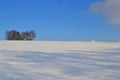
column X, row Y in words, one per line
column 59, row 60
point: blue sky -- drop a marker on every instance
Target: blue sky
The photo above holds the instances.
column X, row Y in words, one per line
column 58, row 20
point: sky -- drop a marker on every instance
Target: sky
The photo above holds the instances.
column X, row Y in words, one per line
column 66, row 20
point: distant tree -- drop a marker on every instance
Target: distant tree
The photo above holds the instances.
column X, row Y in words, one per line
column 8, row 35
column 12, row 35
column 32, row 34
column 15, row 35
column 25, row 35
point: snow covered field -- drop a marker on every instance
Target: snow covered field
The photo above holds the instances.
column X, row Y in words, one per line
column 55, row 60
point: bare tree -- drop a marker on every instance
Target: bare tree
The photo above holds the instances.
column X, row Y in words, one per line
column 12, row 35
column 32, row 35
column 15, row 35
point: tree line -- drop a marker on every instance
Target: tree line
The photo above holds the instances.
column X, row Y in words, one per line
column 16, row 35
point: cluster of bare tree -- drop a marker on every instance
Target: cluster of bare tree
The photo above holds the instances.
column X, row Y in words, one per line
column 16, row 35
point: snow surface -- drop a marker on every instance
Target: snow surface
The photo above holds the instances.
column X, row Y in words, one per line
column 59, row 60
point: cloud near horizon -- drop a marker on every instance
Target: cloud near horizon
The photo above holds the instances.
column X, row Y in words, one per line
column 108, row 8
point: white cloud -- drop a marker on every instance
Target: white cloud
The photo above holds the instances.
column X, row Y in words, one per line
column 109, row 8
